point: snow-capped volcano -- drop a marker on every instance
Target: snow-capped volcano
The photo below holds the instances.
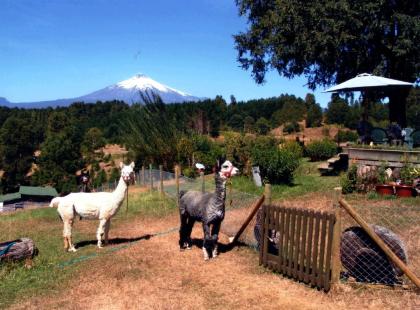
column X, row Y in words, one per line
column 128, row 91
column 143, row 82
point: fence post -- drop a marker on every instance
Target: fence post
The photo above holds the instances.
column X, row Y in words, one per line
column 161, row 178
column 203, row 185
column 251, row 215
column 267, row 193
column 142, row 181
column 336, row 240
column 177, row 184
column 151, row 177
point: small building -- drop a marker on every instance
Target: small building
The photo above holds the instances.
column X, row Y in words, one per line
column 28, row 197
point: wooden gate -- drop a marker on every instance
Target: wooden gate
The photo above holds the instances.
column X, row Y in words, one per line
column 298, row 243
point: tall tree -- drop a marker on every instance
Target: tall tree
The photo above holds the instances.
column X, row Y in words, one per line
column 60, row 154
column 314, row 116
column 331, row 41
column 17, row 146
column 337, row 110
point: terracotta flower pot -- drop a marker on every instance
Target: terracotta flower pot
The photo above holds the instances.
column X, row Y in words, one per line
column 404, row 190
column 385, row 189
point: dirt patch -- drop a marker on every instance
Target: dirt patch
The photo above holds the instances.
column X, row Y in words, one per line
column 154, row 274
column 308, row 134
column 114, row 149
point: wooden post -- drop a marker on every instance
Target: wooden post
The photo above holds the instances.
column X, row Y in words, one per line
column 151, row 177
column 161, row 179
column 177, row 173
column 391, row 255
column 203, row 185
column 336, row 240
column 264, row 244
column 248, row 219
column 267, row 193
column 142, row 176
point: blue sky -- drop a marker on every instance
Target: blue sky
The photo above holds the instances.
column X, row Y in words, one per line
column 52, row 49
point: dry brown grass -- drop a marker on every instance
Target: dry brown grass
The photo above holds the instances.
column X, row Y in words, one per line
column 154, row 274
column 307, row 134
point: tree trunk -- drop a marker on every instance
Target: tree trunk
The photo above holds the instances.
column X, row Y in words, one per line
column 397, row 106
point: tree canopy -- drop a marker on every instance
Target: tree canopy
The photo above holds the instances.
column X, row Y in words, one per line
column 330, row 41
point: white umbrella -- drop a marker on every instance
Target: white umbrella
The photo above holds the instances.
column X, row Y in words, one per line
column 365, row 81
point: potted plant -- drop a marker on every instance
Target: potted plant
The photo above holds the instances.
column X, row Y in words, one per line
column 382, row 188
column 405, row 188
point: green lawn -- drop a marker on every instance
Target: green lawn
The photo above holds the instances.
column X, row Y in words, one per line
column 306, row 180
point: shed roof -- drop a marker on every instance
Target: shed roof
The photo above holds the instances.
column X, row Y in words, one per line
column 30, row 191
column 9, row 197
column 38, row 191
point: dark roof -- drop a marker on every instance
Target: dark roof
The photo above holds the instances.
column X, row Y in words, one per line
column 38, row 191
column 10, row 197
column 30, row 191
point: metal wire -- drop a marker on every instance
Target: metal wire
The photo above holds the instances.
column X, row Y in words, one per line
column 398, row 227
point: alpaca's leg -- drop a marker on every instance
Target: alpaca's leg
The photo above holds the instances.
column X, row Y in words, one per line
column 182, row 231
column 215, row 237
column 100, row 232
column 107, row 227
column 190, row 226
column 68, row 245
column 207, row 242
column 66, row 232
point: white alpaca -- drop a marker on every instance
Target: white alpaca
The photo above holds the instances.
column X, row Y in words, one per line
column 102, row 206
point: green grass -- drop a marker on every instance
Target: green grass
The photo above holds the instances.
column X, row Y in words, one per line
column 306, row 180
column 44, row 227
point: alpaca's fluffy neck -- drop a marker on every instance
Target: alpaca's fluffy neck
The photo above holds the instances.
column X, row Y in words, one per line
column 119, row 192
column 220, row 192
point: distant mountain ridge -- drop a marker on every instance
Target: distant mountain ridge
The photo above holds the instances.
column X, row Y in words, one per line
column 128, row 91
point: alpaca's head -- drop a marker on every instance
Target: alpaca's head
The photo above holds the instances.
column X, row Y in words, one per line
column 127, row 173
column 227, row 169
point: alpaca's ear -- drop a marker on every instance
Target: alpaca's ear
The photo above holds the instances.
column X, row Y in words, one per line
column 121, row 164
column 219, row 163
column 132, row 164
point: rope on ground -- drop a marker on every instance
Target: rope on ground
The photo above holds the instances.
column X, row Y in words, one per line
column 113, row 249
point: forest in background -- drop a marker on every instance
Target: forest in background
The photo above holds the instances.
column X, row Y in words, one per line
column 48, row 146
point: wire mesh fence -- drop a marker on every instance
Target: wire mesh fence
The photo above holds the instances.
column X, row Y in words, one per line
column 362, row 259
column 238, row 204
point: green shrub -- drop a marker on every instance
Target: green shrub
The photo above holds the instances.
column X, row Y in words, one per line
column 346, row 136
column 262, row 126
column 321, row 150
column 276, row 165
column 291, row 127
column 189, row 172
column 293, row 147
column 349, row 180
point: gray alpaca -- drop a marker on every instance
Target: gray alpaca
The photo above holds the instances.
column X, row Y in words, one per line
column 208, row 208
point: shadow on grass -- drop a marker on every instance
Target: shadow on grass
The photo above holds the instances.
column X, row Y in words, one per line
column 114, row 241
column 223, row 248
